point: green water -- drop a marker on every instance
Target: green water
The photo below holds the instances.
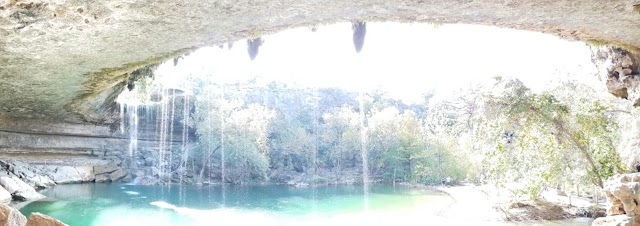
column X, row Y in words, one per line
column 115, row 204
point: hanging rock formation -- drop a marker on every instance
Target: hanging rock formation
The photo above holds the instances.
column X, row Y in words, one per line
column 618, row 69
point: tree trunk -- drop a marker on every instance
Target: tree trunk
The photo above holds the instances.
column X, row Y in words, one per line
column 585, row 153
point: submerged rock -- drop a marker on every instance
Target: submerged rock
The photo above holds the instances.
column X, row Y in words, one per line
column 38, row 219
column 11, row 217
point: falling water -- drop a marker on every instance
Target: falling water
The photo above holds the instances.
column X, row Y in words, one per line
column 133, row 129
column 315, row 131
column 185, row 137
column 314, row 157
column 173, row 112
column 222, row 164
column 121, row 118
column 163, row 134
column 185, row 148
column 363, row 148
column 359, row 33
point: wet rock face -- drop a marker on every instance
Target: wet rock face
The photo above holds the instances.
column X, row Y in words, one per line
column 618, row 68
column 66, row 59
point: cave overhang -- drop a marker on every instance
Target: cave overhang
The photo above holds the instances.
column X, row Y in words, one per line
column 68, row 60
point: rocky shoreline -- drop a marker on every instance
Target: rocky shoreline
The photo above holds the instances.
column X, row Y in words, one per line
column 481, row 206
column 20, row 181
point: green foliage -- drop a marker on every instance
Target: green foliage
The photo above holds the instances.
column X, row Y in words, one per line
column 553, row 139
column 502, row 133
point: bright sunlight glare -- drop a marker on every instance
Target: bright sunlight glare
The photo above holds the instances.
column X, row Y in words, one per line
column 405, row 60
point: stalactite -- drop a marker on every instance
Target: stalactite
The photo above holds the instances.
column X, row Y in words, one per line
column 253, row 45
column 359, row 32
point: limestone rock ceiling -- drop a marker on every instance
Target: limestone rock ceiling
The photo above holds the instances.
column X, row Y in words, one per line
column 52, row 52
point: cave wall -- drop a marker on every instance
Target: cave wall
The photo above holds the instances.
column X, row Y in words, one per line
column 618, row 69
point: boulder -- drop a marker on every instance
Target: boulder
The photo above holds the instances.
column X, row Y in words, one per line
column 118, row 174
column 38, row 219
column 19, row 190
column 41, row 182
column 103, row 178
column 5, row 196
column 11, row 217
column 73, row 174
column 100, row 169
column 13, row 184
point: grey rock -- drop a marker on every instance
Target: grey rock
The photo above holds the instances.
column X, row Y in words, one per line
column 118, row 174
column 5, row 196
column 20, row 191
column 13, row 184
column 103, row 178
column 71, row 174
column 66, row 175
column 100, row 169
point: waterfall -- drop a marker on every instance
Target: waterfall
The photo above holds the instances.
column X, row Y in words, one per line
column 363, row 148
column 170, row 134
column 222, row 164
column 132, row 110
column 185, row 137
column 359, row 33
column 163, row 134
column 121, row 118
column 314, row 156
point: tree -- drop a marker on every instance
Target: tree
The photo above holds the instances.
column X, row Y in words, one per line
column 540, row 135
column 341, row 136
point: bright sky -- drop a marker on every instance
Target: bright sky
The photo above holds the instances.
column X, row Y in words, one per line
column 404, row 59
